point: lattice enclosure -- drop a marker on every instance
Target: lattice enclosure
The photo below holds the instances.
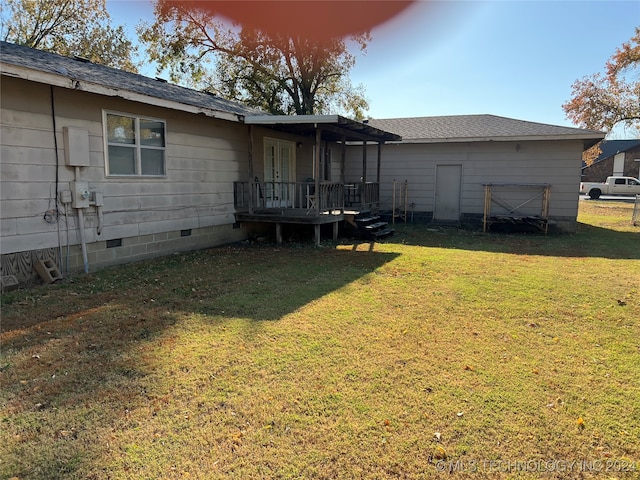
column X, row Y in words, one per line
column 636, row 211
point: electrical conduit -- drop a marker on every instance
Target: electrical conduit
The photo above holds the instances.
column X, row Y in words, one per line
column 83, row 241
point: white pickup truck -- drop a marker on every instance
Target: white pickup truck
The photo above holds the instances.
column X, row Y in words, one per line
column 613, row 186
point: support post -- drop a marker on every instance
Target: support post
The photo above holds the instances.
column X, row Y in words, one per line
column 343, row 159
column 316, row 228
column 335, row 231
column 364, row 174
column 251, row 177
column 487, row 206
column 278, row 233
column 316, row 173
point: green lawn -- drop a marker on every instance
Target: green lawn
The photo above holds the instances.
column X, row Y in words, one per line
column 483, row 355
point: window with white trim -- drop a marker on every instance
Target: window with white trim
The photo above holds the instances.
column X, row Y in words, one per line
column 135, row 146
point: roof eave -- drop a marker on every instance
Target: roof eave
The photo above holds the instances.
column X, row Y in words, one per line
column 63, row 81
column 586, row 137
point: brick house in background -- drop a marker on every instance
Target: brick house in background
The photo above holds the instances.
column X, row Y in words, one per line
column 618, row 157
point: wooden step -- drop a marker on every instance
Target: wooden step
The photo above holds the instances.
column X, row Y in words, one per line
column 375, row 226
column 387, row 232
column 366, row 219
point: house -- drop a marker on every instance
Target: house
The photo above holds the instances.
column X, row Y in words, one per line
column 100, row 166
column 481, row 171
column 617, row 157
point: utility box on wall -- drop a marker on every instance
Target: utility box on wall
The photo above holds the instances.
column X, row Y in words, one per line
column 76, row 147
column 80, row 195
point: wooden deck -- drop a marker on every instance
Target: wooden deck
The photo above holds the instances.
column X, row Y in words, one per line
column 299, row 216
column 294, row 216
column 301, row 203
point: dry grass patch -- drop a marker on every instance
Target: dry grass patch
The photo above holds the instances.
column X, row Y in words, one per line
column 436, row 350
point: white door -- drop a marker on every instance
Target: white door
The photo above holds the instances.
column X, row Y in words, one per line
column 279, row 171
column 448, row 188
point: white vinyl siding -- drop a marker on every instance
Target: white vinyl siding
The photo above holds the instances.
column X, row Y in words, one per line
column 554, row 162
column 203, row 157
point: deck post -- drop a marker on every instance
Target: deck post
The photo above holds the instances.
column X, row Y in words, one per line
column 278, row 233
column 316, row 228
column 335, row 231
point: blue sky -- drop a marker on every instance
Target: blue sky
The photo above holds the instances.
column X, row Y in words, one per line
column 513, row 58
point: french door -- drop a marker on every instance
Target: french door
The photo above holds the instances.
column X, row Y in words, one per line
column 279, row 172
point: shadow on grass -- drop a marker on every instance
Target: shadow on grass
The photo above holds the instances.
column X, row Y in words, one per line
column 589, row 241
column 72, row 353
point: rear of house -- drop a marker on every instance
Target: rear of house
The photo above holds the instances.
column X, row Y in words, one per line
column 460, row 168
column 101, row 166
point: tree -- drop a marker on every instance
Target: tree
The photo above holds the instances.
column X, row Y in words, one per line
column 70, row 28
column 279, row 73
column 603, row 101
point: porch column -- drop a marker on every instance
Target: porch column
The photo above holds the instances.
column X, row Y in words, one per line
column 251, row 177
column 378, row 175
column 343, row 159
column 316, row 176
column 379, row 157
column 364, row 174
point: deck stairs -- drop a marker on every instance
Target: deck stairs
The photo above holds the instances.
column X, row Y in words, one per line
column 369, row 226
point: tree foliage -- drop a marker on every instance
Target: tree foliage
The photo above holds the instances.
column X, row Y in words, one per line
column 278, row 73
column 602, row 101
column 70, row 28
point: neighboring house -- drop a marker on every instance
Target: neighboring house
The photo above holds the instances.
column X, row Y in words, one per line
column 617, row 157
column 459, row 167
column 100, row 166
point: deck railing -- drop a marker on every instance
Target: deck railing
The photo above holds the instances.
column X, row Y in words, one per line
column 255, row 196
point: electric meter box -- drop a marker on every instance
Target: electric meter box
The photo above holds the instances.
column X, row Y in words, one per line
column 76, row 147
column 80, row 195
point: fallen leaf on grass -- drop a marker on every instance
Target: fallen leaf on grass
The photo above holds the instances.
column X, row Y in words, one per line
column 580, row 423
column 440, row 453
column 469, row 367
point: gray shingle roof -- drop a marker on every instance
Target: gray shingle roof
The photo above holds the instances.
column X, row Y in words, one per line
column 78, row 70
column 612, row 147
column 476, row 128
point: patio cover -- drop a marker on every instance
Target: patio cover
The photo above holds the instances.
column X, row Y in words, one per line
column 334, row 127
